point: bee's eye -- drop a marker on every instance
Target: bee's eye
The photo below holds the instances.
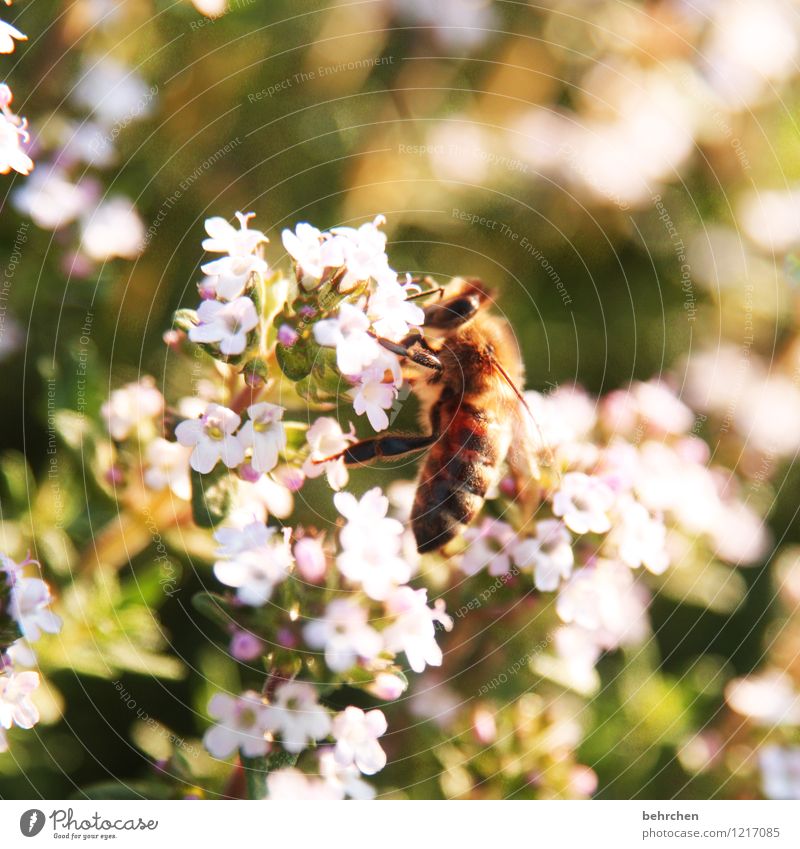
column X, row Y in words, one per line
column 490, row 350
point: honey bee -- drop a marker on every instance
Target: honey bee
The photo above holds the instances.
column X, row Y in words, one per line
column 467, row 380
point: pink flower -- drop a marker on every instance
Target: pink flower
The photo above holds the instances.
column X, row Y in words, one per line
column 16, row 708
column 310, row 558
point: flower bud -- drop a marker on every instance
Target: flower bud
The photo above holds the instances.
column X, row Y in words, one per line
column 484, row 726
column 310, row 558
column 387, row 686
column 287, row 335
column 245, row 646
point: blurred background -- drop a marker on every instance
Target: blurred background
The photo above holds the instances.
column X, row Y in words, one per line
column 625, row 174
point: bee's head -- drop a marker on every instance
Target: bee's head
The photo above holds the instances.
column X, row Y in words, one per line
column 468, row 297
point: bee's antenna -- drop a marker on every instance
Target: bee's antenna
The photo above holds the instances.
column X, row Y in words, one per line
column 439, row 290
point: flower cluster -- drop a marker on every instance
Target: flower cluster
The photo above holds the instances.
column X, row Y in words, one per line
column 24, row 616
column 627, row 488
column 13, row 129
column 293, row 718
column 625, row 498
column 353, row 256
column 355, row 610
column 65, row 193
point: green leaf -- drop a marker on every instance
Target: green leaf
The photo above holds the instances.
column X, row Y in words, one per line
column 211, row 496
column 128, row 790
column 214, row 606
column 256, row 771
column 9, row 629
column 297, row 361
column 255, row 372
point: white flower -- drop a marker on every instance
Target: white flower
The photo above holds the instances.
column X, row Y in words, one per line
column 604, row 600
column 112, row 92
column 252, row 560
column 88, row 142
column 356, row 736
column 211, row 8
column 377, row 570
column 374, row 396
column 212, row 439
column 7, row 36
column 226, row 239
column 241, row 725
column 297, row 716
column 549, row 553
column 224, row 287
column 639, row 538
column 16, row 708
column 413, row 630
column 239, row 245
column 113, row 229
column 768, row 698
column 292, row 785
column 347, row 332
column 780, row 771
column 434, row 700
column 30, row 599
column 20, row 653
column 488, row 545
column 326, row 439
column 12, row 132
column 225, row 324
column 371, row 544
column 167, row 466
column 364, row 253
column 264, row 434
column 739, row 535
column 564, row 416
column 348, row 778
column 391, row 312
column 3, row 741
column 130, row 406
column 50, row 199
column 377, row 390
column 345, row 634
column 258, row 501
column 578, row 652
column 367, row 516
column 583, row 502
column 312, row 253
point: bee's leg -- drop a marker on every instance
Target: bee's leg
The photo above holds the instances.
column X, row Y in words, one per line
column 383, row 447
column 414, row 348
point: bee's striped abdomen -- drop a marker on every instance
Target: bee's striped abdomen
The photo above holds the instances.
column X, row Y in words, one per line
column 459, row 470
